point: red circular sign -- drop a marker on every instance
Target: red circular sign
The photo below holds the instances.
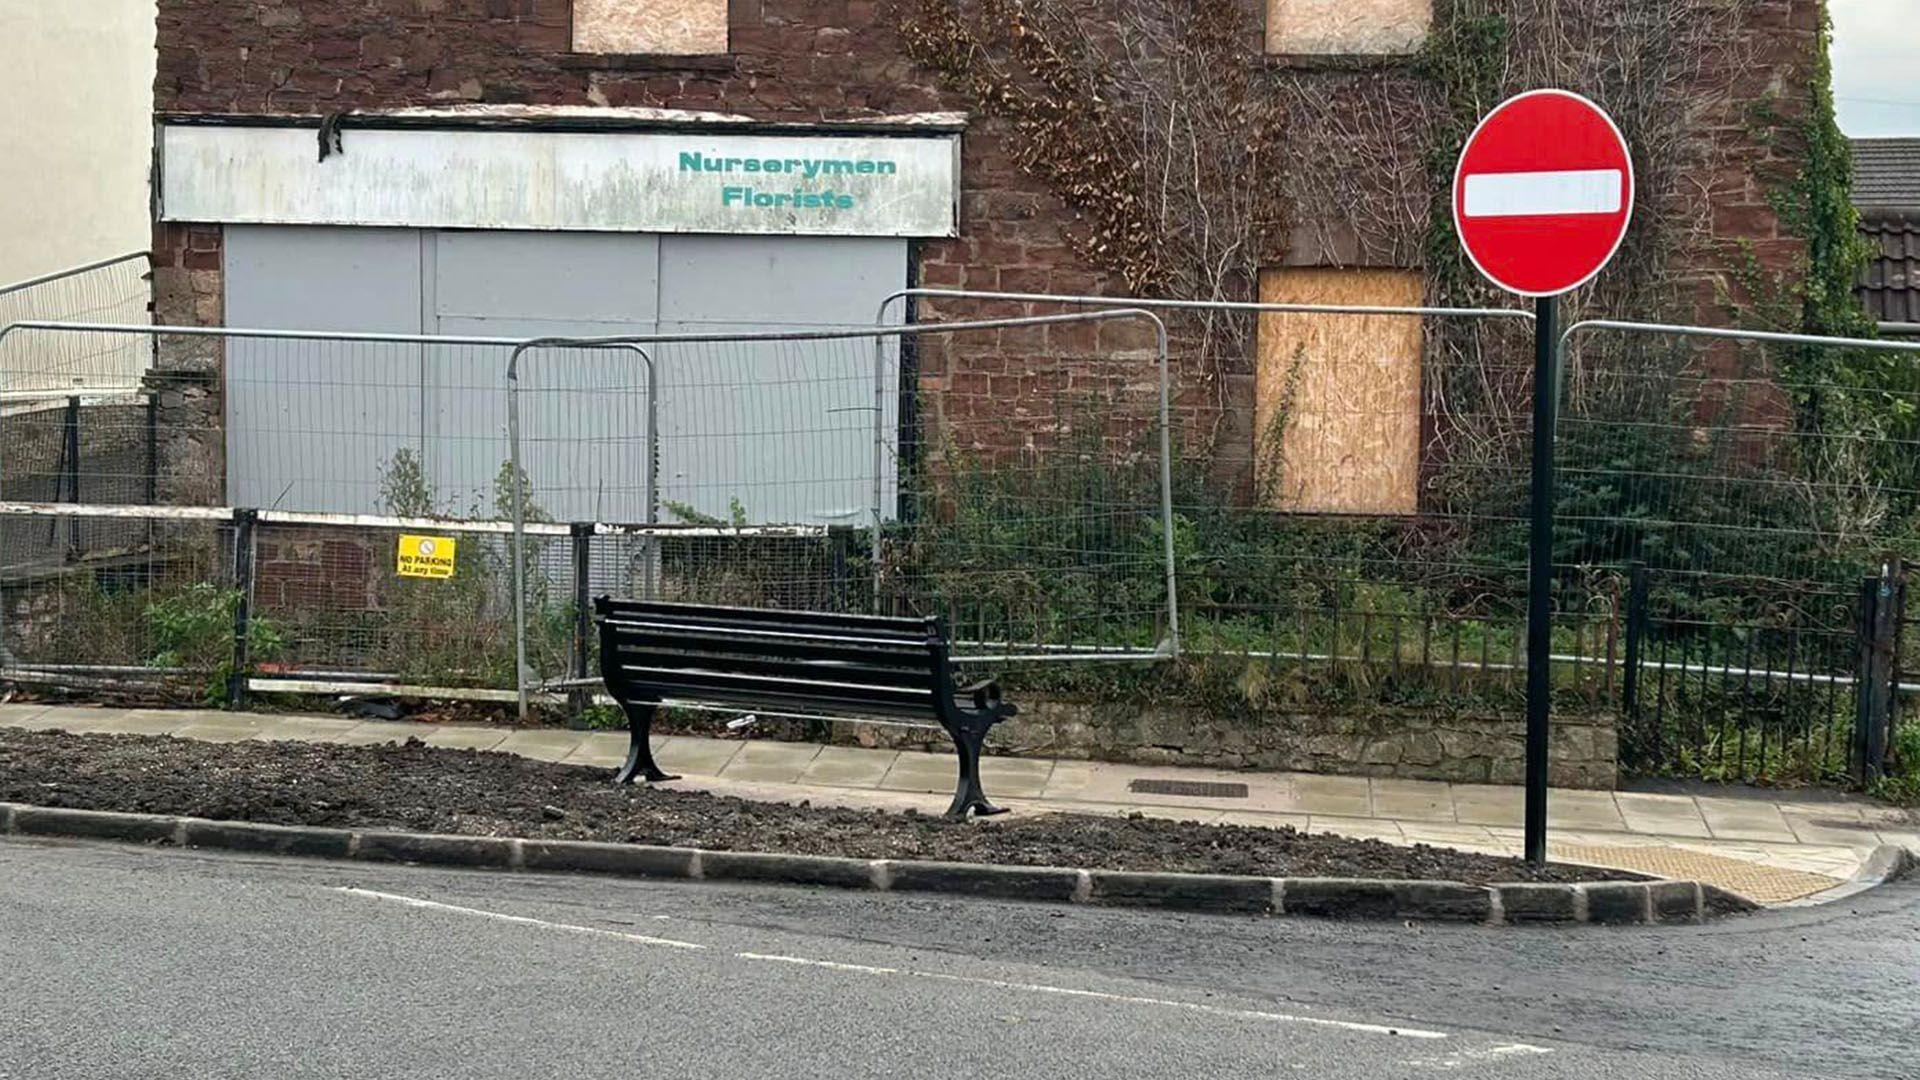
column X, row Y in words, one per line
column 1543, row 193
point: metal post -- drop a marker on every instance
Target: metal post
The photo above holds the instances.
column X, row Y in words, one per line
column 1874, row 694
column 837, row 543
column 878, row 510
column 153, row 448
column 1540, row 575
column 243, row 526
column 518, row 557
column 1636, row 640
column 582, row 617
column 70, row 473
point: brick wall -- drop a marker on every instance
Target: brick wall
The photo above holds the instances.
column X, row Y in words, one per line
column 827, row 60
column 1767, row 59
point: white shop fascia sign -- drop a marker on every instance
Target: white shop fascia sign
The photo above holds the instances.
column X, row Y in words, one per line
column 606, row 181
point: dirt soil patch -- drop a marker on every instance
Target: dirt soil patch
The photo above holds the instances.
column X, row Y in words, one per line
column 415, row 787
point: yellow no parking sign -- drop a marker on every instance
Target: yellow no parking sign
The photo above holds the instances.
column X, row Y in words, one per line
column 427, row 556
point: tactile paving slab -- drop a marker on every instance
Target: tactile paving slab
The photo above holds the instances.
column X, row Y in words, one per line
column 1758, row 882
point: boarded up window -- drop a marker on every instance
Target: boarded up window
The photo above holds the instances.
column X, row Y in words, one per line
column 1347, row 27
column 665, row 27
column 1337, row 397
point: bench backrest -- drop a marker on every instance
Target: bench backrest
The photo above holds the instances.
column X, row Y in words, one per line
column 753, row 657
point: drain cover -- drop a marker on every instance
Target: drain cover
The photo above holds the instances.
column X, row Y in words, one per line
column 1195, row 788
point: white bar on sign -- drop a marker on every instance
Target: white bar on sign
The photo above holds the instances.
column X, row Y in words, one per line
column 1518, row 194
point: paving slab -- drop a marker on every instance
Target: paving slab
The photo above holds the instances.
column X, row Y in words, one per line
column 78, row 719
column 1745, row 819
column 237, row 728
column 1906, row 838
column 1584, row 810
column 1821, row 829
column 1359, row 828
column 1485, row 804
column 376, row 732
column 1254, row 820
column 1661, row 815
column 770, row 762
column 605, row 749
column 541, row 745
column 849, row 767
column 17, row 715
column 1006, row 777
column 920, row 772
column 462, row 737
column 302, row 728
column 690, row 756
column 1069, row 780
column 1463, row 837
column 141, row 722
column 1418, row 800
column 1340, row 796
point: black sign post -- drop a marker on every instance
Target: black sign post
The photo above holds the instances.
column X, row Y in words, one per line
column 1546, row 411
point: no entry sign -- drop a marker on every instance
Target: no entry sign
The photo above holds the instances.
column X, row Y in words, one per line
column 1543, row 193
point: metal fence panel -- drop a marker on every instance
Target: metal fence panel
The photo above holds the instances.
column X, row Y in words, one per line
column 1751, row 481
column 1342, row 607
column 985, row 518
column 116, row 290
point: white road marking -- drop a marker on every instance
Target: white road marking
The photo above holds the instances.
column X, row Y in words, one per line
column 865, row 969
column 830, row 965
column 1481, row 1056
column 434, row 905
column 1526, row 194
column 1191, row 1006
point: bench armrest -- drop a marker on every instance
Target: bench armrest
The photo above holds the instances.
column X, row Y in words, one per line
column 985, row 693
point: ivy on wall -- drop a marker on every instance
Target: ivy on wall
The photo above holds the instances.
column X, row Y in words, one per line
column 1153, row 121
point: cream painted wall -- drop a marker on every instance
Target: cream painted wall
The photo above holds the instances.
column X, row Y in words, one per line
column 76, row 134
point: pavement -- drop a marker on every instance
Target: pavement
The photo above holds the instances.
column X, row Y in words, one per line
column 133, row 962
column 1773, row 846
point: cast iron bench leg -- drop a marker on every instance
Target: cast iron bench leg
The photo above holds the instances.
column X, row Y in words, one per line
column 968, row 795
column 640, row 751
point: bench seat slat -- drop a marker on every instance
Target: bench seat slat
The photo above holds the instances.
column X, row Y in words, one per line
column 769, row 698
column 722, row 679
column 720, row 639
column 800, row 671
column 739, row 615
column 754, row 633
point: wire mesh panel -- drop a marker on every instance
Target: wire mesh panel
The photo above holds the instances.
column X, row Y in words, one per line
column 1757, row 483
column 410, row 426
column 1374, row 548
column 588, row 449
column 1348, row 483
column 334, row 601
column 1034, row 524
column 155, row 609
column 1030, row 485
column 405, row 425
column 114, row 291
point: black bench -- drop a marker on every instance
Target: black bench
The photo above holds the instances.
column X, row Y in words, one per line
column 794, row 662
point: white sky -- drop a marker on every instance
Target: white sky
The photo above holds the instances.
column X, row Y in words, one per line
column 1876, row 66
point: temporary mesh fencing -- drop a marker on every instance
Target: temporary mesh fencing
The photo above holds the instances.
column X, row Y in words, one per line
column 1733, row 502
column 1031, row 515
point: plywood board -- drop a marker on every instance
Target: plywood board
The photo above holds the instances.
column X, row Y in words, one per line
column 1347, row 27
column 658, row 27
column 1337, row 397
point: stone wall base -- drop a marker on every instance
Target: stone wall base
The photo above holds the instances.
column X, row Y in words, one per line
column 1409, row 744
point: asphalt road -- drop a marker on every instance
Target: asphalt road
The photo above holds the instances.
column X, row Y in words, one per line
column 127, row 962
